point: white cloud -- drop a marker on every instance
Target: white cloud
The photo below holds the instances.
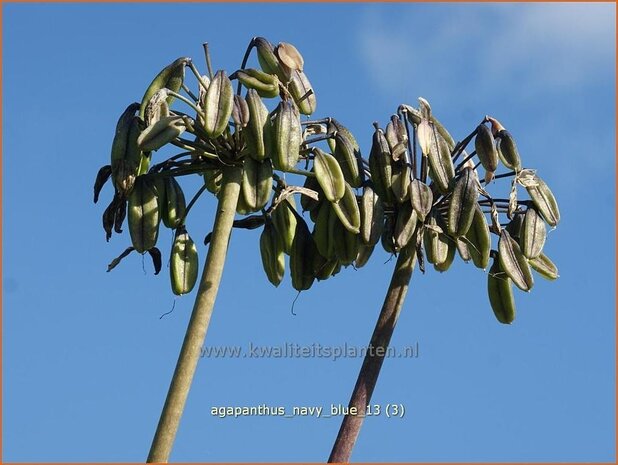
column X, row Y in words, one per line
column 541, row 47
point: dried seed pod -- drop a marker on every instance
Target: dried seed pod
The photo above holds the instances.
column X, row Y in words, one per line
column 171, row 202
column 424, row 133
column 421, row 198
column 286, row 136
column 401, row 180
column 184, row 263
column 256, row 183
column 240, row 112
column 396, row 137
column 218, row 104
column 347, row 152
column 436, row 242
column 171, row 77
column 144, row 215
column 301, row 91
column 271, row 250
column 157, row 107
column 461, row 207
column 544, row 201
column 533, row 234
column 161, row 132
column 329, row 175
column 380, row 166
column 500, row 294
column 266, row 85
column 125, row 156
column 544, row 266
column 507, row 150
column 284, row 221
column 405, row 225
column 258, row 131
column 347, row 210
column 308, row 203
column 514, row 263
column 486, row 149
column 289, row 56
column 440, row 163
column 372, row 216
column 301, row 257
column 478, row 239
column 102, row 176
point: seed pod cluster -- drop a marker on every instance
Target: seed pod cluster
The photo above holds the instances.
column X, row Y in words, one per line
column 419, row 188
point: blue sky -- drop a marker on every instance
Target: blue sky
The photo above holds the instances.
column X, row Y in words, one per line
column 86, row 359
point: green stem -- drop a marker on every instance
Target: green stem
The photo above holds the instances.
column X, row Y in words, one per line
column 368, row 376
column 200, row 318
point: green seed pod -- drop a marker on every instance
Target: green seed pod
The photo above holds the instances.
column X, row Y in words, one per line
column 286, row 136
column 171, row 77
column 266, row 85
column 545, row 267
column 421, row 198
column 513, row 262
column 441, row 163
column 172, row 203
column 321, row 231
column 380, row 166
column 345, row 243
column 144, row 215
column 486, row 149
column 213, row 179
column 160, row 133
column 450, row 256
column 436, row 243
column 372, row 216
column 218, row 105
column 461, row 207
column 258, row 132
column 301, row 91
column 507, row 150
column 463, row 250
column 271, row 250
column 284, row 221
column 405, row 225
column 268, row 60
column 347, row 210
column 544, row 201
column 533, row 234
column 364, row 253
column 184, row 263
column 514, row 226
column 478, row 239
column 301, row 257
column 257, row 180
column 323, row 268
column 347, row 152
column 329, row 175
column 387, row 240
column 309, row 204
column 500, row 294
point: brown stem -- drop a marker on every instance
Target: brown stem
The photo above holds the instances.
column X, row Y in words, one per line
column 370, row 370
